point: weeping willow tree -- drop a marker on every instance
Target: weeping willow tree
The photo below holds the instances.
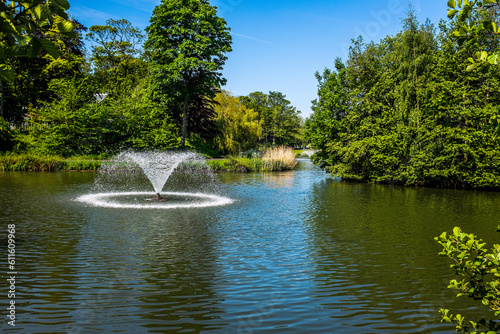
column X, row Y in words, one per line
column 240, row 128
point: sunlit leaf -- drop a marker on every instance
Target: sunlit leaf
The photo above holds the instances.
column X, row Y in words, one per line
column 50, row 47
column 6, row 73
column 452, row 13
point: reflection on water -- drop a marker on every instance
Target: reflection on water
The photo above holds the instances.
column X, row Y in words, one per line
column 297, row 252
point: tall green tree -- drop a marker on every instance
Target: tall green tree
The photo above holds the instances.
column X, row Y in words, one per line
column 281, row 122
column 239, row 127
column 117, row 56
column 187, row 43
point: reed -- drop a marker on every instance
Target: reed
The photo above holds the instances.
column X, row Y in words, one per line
column 278, row 159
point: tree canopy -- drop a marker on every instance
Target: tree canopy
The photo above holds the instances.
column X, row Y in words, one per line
column 239, row 127
column 407, row 110
column 281, row 122
column 187, row 43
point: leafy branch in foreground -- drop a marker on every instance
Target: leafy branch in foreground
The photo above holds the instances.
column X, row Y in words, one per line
column 479, row 269
column 469, row 33
column 22, row 29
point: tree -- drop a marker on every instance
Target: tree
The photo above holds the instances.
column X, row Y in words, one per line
column 116, row 54
column 23, row 26
column 329, row 109
column 187, row 43
column 406, row 111
column 239, row 127
column 281, row 123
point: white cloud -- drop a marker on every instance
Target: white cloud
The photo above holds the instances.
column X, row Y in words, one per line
column 251, row 38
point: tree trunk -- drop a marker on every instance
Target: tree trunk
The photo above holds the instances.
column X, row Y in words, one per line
column 184, row 121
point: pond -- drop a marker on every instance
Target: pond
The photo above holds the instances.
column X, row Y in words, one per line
column 297, row 252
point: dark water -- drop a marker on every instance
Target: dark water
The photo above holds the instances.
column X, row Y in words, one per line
column 298, row 252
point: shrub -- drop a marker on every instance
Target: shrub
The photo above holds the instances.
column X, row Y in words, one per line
column 480, row 272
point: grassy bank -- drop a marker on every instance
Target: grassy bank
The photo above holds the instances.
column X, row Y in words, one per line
column 274, row 159
column 45, row 163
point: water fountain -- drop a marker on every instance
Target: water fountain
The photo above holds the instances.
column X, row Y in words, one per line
column 157, row 166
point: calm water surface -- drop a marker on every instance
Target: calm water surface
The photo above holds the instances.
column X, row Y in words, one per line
column 298, row 252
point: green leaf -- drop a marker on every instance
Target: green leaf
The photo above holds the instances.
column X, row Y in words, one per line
column 63, row 3
column 50, row 47
column 38, row 12
column 452, row 4
column 34, row 48
column 14, row 51
column 494, row 59
column 66, row 28
column 452, row 13
column 7, row 74
column 23, row 39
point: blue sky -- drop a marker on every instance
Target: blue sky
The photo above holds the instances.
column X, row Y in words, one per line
column 278, row 45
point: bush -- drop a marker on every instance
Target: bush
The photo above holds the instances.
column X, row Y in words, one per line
column 480, row 272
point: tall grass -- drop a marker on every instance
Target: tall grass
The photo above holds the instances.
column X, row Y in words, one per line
column 278, row 158
column 29, row 162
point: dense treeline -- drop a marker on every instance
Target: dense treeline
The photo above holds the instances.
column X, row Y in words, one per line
column 409, row 110
column 159, row 89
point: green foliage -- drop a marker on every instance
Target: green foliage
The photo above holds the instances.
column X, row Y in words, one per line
column 476, row 20
column 35, row 162
column 77, row 124
column 280, row 121
column 187, row 43
column 6, row 136
column 273, row 160
column 239, row 127
column 241, row 165
column 74, row 123
column 30, row 162
column 78, row 165
column 480, row 277
column 22, row 25
column 407, row 111
column 116, row 55
column 29, row 89
column 146, row 124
